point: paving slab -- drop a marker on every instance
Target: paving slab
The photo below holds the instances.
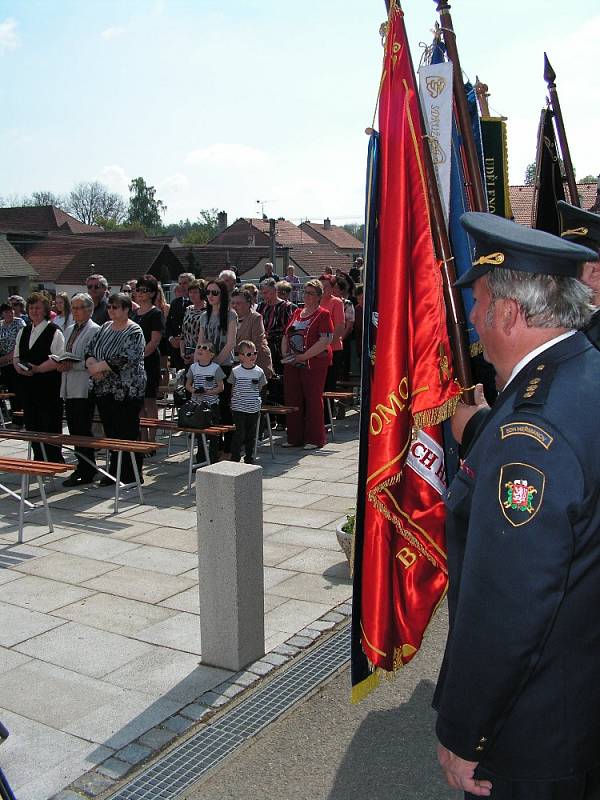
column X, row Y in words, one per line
column 274, row 576
column 10, row 659
column 97, row 546
column 140, row 584
column 169, row 674
column 88, row 651
column 189, row 600
column 53, row 695
column 65, row 567
column 319, row 562
column 157, row 559
column 293, row 615
column 278, row 497
column 306, row 537
column 302, row 517
column 41, row 594
column 20, row 624
column 315, row 588
column 180, row 632
column 170, row 538
column 58, row 757
column 170, row 518
column 274, row 554
column 115, row 614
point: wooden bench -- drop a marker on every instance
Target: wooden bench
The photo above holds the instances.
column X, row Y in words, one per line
column 119, row 446
column 26, row 469
column 267, row 410
column 328, row 397
column 172, row 427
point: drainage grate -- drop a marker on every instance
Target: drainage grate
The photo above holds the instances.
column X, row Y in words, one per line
column 171, row 775
column 8, row 558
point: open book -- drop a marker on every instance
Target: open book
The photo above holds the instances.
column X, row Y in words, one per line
column 65, row 357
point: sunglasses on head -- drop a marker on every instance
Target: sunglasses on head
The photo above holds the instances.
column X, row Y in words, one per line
column 249, row 354
column 213, row 292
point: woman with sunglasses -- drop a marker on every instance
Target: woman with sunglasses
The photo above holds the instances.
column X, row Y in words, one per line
column 218, row 325
column 192, row 316
column 115, row 361
column 152, row 322
column 306, row 350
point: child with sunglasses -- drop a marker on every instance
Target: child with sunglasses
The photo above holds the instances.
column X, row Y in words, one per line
column 247, row 381
column 205, row 384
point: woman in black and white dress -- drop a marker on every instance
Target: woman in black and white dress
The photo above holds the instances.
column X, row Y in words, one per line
column 115, row 361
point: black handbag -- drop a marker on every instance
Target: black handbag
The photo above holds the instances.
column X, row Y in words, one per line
column 194, row 415
column 180, row 397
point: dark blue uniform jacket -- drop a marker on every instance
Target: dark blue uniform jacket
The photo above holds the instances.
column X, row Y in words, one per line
column 519, row 688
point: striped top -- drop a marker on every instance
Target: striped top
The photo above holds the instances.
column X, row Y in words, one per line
column 247, row 383
column 205, row 377
column 123, row 351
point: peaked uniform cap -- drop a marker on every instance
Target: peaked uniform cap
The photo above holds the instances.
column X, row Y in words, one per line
column 579, row 226
column 502, row 243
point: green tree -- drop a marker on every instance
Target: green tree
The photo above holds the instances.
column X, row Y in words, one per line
column 588, row 179
column 358, row 231
column 530, row 174
column 144, row 207
column 204, row 229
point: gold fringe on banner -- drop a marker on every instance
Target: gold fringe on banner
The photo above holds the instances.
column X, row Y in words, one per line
column 364, row 688
column 434, row 416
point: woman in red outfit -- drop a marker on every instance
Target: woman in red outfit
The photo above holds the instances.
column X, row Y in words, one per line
column 306, row 351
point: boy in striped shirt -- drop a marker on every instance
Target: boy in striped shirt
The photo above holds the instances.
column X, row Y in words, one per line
column 247, row 381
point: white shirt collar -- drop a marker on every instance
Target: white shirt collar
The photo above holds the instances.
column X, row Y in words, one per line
column 534, row 353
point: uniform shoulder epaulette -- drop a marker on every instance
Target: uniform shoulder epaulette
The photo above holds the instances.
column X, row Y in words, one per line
column 539, row 381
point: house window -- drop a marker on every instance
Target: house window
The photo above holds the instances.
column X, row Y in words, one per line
column 251, row 240
column 13, row 289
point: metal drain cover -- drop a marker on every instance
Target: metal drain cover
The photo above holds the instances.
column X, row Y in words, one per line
column 176, row 771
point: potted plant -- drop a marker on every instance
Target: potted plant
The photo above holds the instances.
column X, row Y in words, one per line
column 345, row 536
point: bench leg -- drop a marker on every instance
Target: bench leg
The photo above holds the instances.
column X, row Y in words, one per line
column 137, row 476
column 118, row 480
column 2, row 420
column 191, row 461
column 256, row 437
column 270, row 432
column 330, row 414
column 45, row 502
column 45, row 455
column 22, row 501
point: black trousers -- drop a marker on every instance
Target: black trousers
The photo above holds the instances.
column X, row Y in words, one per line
column 225, row 408
column 43, row 414
column 585, row 786
column 244, row 435
column 121, row 420
column 80, row 414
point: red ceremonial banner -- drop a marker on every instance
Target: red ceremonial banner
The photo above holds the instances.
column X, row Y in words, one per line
column 404, row 574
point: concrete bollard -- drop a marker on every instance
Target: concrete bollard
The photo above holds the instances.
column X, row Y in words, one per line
column 230, row 564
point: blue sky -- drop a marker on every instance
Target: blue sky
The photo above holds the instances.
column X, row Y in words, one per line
column 221, row 104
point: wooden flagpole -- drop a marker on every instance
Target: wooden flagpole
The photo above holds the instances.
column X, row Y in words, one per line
column 550, row 78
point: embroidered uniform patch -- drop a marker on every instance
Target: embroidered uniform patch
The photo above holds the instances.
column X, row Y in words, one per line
column 520, row 492
column 527, row 429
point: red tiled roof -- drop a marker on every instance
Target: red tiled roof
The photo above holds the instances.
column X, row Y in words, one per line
column 334, row 234
column 521, row 200
column 42, row 218
column 66, row 259
column 209, row 259
column 313, row 258
column 286, row 233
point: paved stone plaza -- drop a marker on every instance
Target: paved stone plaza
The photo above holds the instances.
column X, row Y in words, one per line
column 100, row 637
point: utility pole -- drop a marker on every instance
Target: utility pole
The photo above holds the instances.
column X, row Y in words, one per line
column 273, row 245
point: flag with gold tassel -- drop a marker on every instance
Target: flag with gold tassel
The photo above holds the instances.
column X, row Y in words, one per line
column 400, row 573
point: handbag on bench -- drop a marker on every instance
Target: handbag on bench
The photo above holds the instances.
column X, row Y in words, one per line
column 194, row 415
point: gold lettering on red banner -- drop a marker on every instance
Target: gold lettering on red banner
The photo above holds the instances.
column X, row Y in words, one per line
column 406, row 557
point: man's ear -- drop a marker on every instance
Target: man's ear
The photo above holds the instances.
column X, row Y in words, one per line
column 590, row 275
column 510, row 315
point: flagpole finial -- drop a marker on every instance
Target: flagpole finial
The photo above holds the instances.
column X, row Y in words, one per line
column 549, row 74
column 443, row 6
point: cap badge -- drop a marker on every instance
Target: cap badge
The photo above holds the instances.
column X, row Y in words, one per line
column 494, row 259
column 576, row 232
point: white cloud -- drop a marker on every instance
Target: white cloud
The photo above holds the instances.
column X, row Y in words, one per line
column 116, row 178
column 9, row 38
column 112, row 33
column 174, row 183
column 227, row 155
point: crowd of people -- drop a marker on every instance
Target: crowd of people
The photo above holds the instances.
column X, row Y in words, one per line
column 111, row 353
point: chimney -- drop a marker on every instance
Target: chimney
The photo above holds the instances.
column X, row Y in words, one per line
column 327, row 224
column 221, row 221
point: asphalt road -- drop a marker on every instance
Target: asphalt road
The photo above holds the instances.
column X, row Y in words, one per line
column 327, row 749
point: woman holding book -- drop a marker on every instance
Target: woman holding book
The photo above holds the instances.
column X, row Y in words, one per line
column 75, row 383
column 36, row 342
